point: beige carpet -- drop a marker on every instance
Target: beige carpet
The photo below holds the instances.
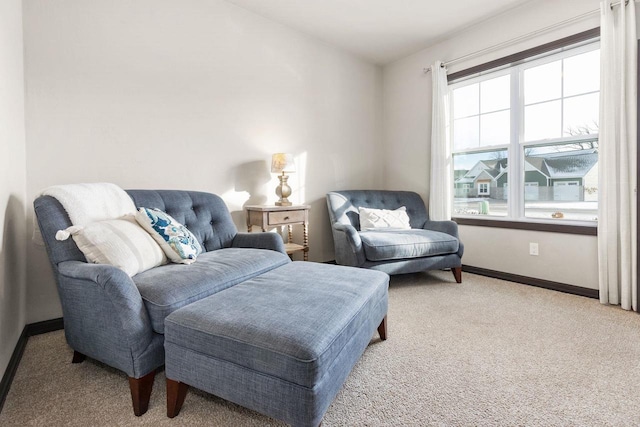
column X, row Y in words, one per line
column 481, row 353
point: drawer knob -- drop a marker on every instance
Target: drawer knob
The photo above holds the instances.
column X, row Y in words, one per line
column 286, row 218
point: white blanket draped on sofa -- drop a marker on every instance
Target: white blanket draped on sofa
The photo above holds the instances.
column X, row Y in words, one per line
column 87, row 203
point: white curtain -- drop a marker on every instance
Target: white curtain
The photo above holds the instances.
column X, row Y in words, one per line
column 617, row 238
column 440, row 188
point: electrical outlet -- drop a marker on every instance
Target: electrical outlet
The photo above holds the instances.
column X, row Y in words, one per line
column 533, row 249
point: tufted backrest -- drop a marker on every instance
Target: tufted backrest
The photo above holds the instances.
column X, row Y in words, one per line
column 343, row 205
column 204, row 214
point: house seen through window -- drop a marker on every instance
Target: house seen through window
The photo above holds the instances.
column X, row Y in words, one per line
column 525, row 138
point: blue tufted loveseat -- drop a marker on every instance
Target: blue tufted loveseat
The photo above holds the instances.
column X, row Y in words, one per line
column 119, row 320
column 428, row 245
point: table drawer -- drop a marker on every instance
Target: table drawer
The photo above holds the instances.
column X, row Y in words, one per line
column 285, row 217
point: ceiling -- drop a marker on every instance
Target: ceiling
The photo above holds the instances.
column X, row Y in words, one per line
column 379, row 31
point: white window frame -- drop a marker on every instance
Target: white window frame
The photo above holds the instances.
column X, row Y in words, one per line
column 484, row 189
column 515, row 182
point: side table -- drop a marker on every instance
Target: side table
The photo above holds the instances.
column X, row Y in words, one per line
column 270, row 216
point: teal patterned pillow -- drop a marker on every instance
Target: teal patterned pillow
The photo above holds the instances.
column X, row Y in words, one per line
column 177, row 242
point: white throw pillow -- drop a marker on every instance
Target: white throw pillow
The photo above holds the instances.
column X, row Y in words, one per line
column 177, row 242
column 118, row 242
column 384, row 218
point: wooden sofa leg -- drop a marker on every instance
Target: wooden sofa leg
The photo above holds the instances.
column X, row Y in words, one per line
column 176, row 392
column 78, row 357
column 141, row 392
column 457, row 273
column 382, row 329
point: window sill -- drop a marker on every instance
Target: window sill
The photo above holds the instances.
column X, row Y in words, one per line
column 585, row 230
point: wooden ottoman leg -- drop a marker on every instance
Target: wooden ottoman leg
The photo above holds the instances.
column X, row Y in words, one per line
column 382, row 329
column 141, row 392
column 176, row 392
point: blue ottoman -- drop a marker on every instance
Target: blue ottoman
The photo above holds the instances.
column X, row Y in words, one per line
column 282, row 343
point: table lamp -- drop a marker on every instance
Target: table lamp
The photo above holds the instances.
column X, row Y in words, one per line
column 282, row 163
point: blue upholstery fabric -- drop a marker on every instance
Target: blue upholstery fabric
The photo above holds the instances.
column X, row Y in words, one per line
column 270, row 241
column 412, row 265
column 105, row 316
column 204, row 214
column 362, row 249
column 51, row 218
column 380, row 245
column 343, row 205
column 281, row 343
column 166, row 288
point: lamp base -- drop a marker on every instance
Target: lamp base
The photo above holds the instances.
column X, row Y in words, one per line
column 283, row 191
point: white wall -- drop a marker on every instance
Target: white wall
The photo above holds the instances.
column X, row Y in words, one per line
column 196, row 95
column 12, row 181
column 407, row 130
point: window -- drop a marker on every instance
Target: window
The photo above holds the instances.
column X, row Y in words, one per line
column 475, row 175
column 525, row 138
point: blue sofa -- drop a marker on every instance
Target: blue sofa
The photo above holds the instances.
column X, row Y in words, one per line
column 119, row 320
column 428, row 245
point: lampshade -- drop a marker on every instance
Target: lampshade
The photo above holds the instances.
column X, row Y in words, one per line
column 282, row 162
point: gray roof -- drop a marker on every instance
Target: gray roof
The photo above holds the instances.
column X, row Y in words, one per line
column 494, row 167
column 457, row 174
column 565, row 166
column 538, row 163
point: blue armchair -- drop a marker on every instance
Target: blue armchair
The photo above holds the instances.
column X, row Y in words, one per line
column 428, row 245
